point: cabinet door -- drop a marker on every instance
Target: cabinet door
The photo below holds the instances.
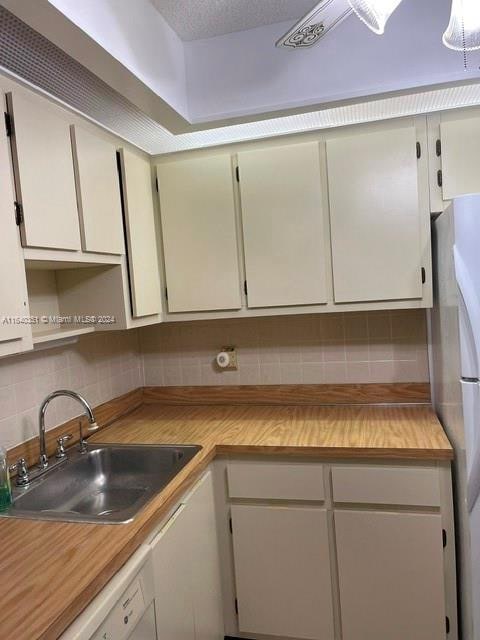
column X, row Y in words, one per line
column 143, row 261
column 13, row 289
column 44, row 178
column 199, row 234
column 98, row 192
column 391, row 575
column 188, row 597
column 205, row 563
column 460, row 137
column 173, row 591
column 375, row 216
column 283, row 221
column 282, row 571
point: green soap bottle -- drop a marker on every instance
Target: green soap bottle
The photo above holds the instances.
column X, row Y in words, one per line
column 5, row 489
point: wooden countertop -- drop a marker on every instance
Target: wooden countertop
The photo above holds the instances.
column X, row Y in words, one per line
column 50, row 570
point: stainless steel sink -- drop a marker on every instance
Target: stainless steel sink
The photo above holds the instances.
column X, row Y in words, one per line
column 107, row 484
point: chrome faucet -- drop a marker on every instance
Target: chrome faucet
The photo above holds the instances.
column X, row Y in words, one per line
column 43, row 460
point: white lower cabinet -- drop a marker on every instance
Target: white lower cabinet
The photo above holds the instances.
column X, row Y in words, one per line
column 282, row 571
column 391, row 575
column 188, row 597
column 363, row 556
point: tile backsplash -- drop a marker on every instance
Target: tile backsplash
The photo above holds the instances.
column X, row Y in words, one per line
column 310, row 349
column 99, row 366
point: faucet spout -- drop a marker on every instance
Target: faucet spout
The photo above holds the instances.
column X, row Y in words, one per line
column 43, row 460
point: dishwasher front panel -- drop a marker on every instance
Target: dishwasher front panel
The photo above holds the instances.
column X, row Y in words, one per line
column 146, row 628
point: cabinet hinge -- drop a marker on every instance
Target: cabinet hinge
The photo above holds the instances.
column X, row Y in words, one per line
column 166, row 294
column 423, row 274
column 419, row 150
column 245, row 288
column 236, row 606
column 444, row 538
column 447, row 624
column 18, row 213
column 440, row 178
column 156, row 184
column 438, row 148
column 237, row 174
column 8, row 124
column 230, row 525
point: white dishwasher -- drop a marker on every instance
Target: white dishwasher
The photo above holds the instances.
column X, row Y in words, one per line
column 124, row 609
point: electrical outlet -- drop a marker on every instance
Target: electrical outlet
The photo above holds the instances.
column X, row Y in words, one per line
column 231, row 353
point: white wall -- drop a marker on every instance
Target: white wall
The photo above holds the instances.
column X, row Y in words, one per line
column 135, row 33
column 243, row 72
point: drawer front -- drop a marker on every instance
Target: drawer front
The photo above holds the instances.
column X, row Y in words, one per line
column 412, row 486
column 276, row 481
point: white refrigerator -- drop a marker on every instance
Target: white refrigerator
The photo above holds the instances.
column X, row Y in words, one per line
column 455, row 340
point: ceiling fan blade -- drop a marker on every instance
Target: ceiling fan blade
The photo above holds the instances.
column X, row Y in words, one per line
column 315, row 25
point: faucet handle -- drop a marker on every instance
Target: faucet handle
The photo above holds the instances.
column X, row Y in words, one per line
column 61, row 445
column 21, row 468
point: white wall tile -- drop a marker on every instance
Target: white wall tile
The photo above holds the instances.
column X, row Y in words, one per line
column 291, row 373
column 7, row 402
column 309, row 349
column 335, row 372
column 313, row 373
column 99, row 366
column 270, row 374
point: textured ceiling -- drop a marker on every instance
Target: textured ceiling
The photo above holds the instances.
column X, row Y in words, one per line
column 198, row 19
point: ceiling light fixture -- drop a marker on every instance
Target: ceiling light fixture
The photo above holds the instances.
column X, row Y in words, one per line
column 374, row 13
column 463, row 31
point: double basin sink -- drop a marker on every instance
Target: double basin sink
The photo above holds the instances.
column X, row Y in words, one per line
column 107, row 484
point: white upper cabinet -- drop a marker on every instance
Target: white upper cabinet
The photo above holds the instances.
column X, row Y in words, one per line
column 460, row 154
column 377, row 223
column 14, row 337
column 283, row 217
column 199, row 234
column 44, row 176
column 98, row 192
column 143, row 260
